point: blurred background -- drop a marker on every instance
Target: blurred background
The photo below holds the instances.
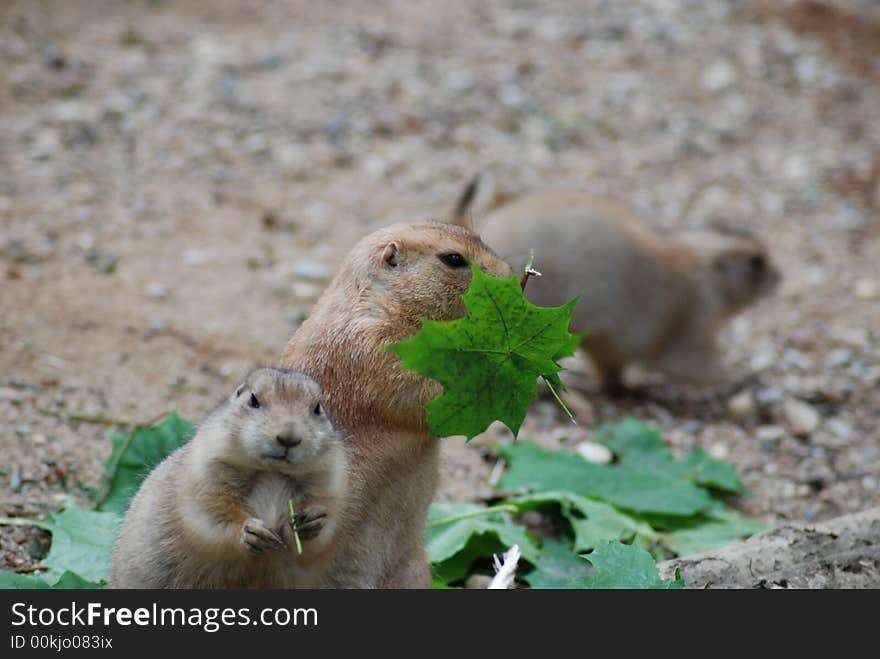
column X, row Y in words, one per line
column 179, row 180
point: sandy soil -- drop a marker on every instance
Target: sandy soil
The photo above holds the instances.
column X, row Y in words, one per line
column 178, row 181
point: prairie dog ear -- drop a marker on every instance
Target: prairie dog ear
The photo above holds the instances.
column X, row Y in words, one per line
column 240, row 390
column 391, row 254
column 462, row 215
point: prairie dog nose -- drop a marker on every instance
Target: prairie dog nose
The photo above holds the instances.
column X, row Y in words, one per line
column 288, row 439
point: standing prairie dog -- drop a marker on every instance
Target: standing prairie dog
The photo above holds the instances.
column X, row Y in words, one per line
column 650, row 297
column 388, row 283
column 215, row 513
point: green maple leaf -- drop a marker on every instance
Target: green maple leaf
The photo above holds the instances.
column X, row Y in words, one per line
column 489, row 361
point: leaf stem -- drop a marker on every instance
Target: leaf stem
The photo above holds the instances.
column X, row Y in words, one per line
column 88, row 418
column 528, row 271
column 17, row 521
column 299, row 548
column 559, row 400
column 503, row 508
column 110, row 472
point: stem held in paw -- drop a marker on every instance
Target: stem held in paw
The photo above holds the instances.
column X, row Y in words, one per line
column 299, row 547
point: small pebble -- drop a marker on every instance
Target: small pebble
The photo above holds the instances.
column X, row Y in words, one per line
column 797, row 359
column 691, row 426
column 769, row 396
column 304, row 291
column 12, row 395
column 194, row 257
column 867, row 290
column 840, row 428
column 769, row 433
column 802, row 418
column 742, row 405
column 156, row 291
column 23, row 430
column 595, row 453
column 310, row 270
column 763, row 358
column 15, row 479
column 718, row 76
column 838, row 357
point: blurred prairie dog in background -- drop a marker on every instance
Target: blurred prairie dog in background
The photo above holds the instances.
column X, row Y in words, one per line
column 655, row 298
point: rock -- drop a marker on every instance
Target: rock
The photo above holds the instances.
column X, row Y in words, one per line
column 866, row 290
column 13, row 395
column 718, row 76
column 764, row 357
column 23, row 430
column 838, row 357
column 742, row 405
column 304, row 291
column 156, row 291
column 313, row 270
column 595, row 453
column 15, row 479
column 797, row 360
column 691, row 426
column 840, row 428
column 769, row 433
column 788, row 490
column 802, row 418
column 769, row 396
column 194, row 257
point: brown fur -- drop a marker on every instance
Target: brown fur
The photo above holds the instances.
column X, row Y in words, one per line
column 649, row 297
column 215, row 513
column 388, row 282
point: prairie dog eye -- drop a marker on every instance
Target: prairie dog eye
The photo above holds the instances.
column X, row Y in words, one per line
column 453, row 260
column 757, row 262
column 253, row 402
column 317, row 409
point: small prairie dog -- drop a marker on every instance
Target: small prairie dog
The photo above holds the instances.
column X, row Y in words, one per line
column 389, row 282
column 215, row 513
column 655, row 298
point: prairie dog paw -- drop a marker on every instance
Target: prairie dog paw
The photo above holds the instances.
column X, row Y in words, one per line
column 309, row 522
column 256, row 536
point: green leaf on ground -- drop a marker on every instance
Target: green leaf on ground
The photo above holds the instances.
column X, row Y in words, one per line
column 81, row 543
column 591, row 521
column 489, row 361
column 14, row 581
column 640, row 447
column 457, row 534
column 536, row 469
column 68, row 581
column 559, row 566
column 624, row 566
column 711, row 531
column 136, row 454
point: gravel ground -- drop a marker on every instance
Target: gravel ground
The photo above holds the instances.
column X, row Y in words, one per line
column 179, row 180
